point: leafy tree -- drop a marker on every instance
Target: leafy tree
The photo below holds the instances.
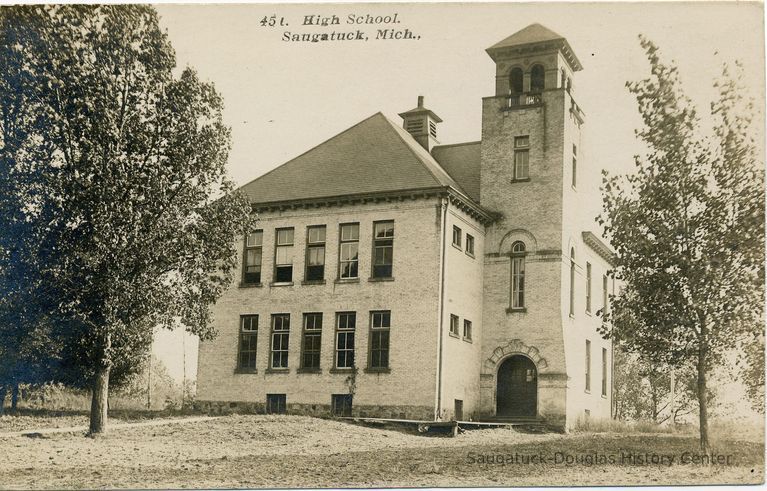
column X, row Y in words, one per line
column 688, row 227
column 643, row 390
column 131, row 213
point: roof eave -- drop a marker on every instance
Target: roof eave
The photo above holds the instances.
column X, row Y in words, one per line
column 603, row 250
column 560, row 43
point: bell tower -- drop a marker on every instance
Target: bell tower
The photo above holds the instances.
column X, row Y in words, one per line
column 531, row 139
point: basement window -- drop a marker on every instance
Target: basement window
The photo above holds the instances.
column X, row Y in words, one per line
column 341, row 405
column 276, row 403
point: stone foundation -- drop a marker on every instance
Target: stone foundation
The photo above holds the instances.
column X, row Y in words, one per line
column 423, row 413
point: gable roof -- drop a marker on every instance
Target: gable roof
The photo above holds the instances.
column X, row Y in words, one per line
column 373, row 156
column 461, row 161
column 534, row 34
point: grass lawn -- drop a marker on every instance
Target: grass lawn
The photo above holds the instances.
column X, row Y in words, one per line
column 293, row 451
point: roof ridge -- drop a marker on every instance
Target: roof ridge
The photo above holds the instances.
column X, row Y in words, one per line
column 314, row 147
column 418, row 157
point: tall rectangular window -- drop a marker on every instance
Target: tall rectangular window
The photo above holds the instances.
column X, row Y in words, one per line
column 349, row 250
column 383, row 249
column 575, row 165
column 251, row 271
column 467, row 330
column 604, row 371
column 248, row 342
column 346, row 322
column 454, row 322
column 380, row 323
column 457, row 236
column 315, row 253
column 283, row 256
column 588, row 287
column 312, row 340
column 605, row 296
column 280, row 340
column 521, row 157
column 588, row 366
column 518, row 251
column 572, row 282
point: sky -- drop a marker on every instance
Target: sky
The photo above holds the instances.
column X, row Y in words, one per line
column 283, row 98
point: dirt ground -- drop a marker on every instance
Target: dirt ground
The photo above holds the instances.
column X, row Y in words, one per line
column 293, row 451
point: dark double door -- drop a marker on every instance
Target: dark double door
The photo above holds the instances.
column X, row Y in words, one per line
column 517, row 391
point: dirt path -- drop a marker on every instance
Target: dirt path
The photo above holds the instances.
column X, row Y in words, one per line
column 75, row 429
column 296, row 451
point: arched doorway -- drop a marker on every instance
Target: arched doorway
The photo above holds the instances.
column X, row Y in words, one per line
column 517, row 389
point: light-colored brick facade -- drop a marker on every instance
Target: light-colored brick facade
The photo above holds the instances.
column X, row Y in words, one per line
column 434, row 372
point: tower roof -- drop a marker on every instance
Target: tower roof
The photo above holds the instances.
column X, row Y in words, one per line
column 373, row 156
column 533, row 36
column 417, row 111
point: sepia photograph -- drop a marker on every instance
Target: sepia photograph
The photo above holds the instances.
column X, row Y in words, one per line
column 382, row 245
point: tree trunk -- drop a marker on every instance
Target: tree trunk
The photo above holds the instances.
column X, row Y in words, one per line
column 3, row 391
column 15, row 396
column 702, row 400
column 99, row 401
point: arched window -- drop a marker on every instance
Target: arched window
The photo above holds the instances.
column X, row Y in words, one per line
column 572, row 281
column 515, row 81
column 518, row 275
column 537, row 78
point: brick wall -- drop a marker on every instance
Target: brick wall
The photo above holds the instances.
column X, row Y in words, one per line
column 412, row 298
column 463, row 298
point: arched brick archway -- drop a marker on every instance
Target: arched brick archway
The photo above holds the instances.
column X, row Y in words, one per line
column 514, row 347
column 517, row 388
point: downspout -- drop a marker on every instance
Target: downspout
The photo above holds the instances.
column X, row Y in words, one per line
column 438, row 410
column 613, row 413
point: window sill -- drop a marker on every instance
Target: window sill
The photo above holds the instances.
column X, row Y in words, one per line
column 453, row 335
column 468, row 340
column 572, row 316
column 250, row 285
column 341, row 370
column 457, row 246
column 471, row 255
column 277, row 370
column 587, row 391
column 377, row 279
column 604, row 396
column 378, row 370
column 588, row 312
column 281, row 283
column 309, row 370
column 245, row 371
column 526, row 179
column 347, row 280
column 520, row 310
column 313, row 282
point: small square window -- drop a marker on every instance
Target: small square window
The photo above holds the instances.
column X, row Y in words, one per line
column 454, row 321
column 457, row 236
